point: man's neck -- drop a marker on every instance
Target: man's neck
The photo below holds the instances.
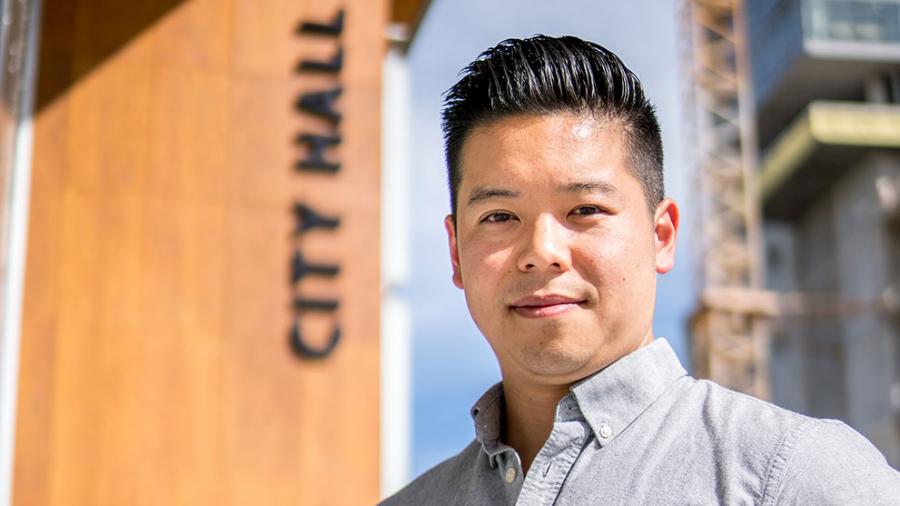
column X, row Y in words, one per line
column 530, row 407
column 528, row 418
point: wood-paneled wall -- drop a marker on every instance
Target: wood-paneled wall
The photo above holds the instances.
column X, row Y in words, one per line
column 155, row 365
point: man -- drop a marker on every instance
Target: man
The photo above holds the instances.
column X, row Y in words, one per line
column 559, row 226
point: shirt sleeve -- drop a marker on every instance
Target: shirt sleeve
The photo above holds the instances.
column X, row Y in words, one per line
column 826, row 462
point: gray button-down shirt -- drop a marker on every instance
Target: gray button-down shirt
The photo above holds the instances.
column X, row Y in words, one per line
column 643, row 432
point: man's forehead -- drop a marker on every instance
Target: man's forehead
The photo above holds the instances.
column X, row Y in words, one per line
column 533, row 138
column 569, row 125
column 564, row 152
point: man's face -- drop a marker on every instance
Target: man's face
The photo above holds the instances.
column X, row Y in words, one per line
column 554, row 245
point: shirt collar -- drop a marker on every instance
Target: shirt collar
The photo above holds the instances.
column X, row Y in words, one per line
column 610, row 400
column 487, row 414
column 613, row 398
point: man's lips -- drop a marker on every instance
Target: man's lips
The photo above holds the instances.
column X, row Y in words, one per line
column 545, row 306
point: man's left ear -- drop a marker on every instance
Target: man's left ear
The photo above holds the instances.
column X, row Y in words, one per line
column 450, row 226
column 665, row 230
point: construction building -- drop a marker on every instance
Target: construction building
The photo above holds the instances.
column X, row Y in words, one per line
column 826, row 88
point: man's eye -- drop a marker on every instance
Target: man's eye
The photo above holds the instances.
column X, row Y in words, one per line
column 587, row 210
column 497, row 218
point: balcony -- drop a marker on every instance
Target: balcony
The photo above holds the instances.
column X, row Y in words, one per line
column 803, row 50
column 824, row 141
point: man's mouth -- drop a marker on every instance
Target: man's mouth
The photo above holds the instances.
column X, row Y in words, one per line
column 545, row 306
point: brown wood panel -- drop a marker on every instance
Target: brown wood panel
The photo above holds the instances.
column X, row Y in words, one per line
column 95, row 408
column 85, row 33
column 260, row 411
column 155, row 361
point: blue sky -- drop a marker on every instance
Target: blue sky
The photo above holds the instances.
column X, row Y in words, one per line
column 452, row 363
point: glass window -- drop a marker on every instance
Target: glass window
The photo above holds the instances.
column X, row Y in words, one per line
column 853, row 20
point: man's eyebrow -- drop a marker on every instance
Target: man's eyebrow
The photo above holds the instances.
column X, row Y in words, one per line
column 481, row 193
column 589, row 187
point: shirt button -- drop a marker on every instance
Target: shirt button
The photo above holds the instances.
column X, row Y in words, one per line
column 605, row 431
column 510, row 475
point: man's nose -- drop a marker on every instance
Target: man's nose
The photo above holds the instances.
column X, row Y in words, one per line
column 545, row 246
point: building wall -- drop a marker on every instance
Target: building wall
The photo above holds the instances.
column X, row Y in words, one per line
column 788, row 354
column 155, row 357
column 817, row 272
column 844, row 364
column 871, row 339
column 776, row 29
column 807, row 350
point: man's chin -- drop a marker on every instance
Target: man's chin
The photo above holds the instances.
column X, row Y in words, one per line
column 568, row 361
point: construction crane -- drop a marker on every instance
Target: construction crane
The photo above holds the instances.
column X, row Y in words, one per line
column 730, row 325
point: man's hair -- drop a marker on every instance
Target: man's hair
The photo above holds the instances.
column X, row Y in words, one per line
column 543, row 75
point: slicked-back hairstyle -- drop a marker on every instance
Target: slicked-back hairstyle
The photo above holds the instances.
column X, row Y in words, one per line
column 545, row 75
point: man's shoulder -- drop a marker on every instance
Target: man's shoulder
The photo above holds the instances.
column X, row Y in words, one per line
column 441, row 482
column 802, row 460
column 827, row 459
column 735, row 418
column 735, row 413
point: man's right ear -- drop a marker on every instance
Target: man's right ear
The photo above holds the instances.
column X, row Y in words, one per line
column 450, row 226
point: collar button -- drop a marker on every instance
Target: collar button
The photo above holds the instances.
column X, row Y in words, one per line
column 605, row 431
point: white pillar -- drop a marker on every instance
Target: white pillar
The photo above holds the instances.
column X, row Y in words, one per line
column 395, row 315
column 16, row 241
